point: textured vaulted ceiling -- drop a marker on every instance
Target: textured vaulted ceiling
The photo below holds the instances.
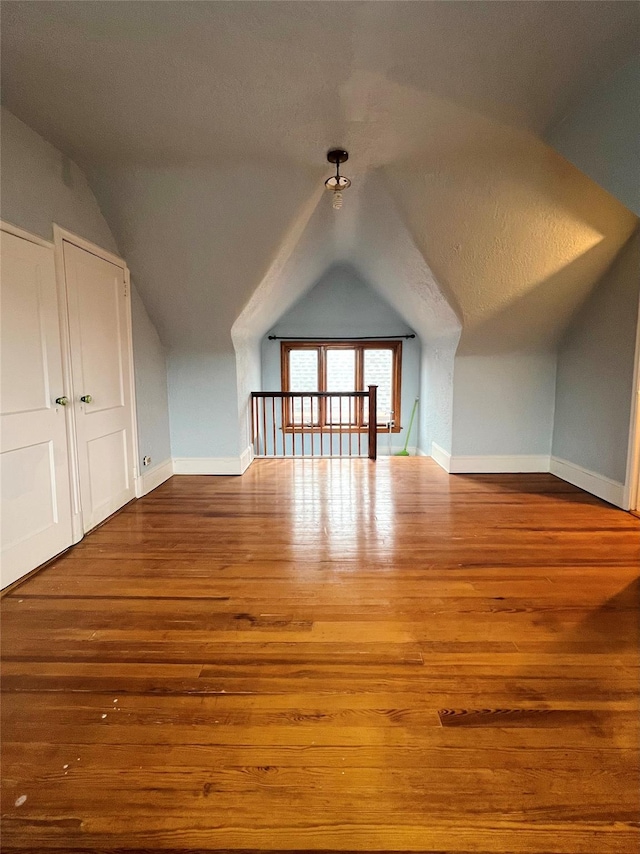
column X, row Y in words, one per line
column 214, row 81
column 204, row 126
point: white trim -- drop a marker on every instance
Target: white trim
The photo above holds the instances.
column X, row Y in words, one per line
column 25, row 235
column 597, row 484
column 67, row 378
column 633, row 455
column 421, row 453
column 60, row 234
column 132, row 384
column 208, row 465
column 498, row 464
column 442, row 457
column 246, row 458
column 489, row 464
column 153, row 477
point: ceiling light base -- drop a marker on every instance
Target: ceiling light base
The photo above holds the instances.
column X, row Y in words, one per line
column 337, row 155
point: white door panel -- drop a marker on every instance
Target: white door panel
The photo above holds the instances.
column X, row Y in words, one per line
column 98, row 319
column 28, row 472
column 25, row 309
column 106, row 481
column 35, row 517
column 101, row 369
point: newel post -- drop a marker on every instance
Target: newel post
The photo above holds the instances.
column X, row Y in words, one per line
column 373, row 422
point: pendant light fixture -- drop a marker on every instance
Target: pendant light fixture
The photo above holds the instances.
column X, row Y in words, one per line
column 337, row 183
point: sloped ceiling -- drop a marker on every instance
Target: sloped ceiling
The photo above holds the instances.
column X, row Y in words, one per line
column 516, row 236
column 199, row 239
column 161, row 82
column 204, row 127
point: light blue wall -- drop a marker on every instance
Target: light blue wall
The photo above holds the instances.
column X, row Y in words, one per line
column 40, row 186
column 595, row 372
column 203, row 396
column 601, row 135
column 436, row 395
column 151, row 386
column 503, row 404
column 343, row 305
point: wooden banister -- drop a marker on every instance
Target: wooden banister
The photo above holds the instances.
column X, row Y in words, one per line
column 286, row 430
column 289, row 394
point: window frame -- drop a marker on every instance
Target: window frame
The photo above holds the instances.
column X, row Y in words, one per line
column 322, row 345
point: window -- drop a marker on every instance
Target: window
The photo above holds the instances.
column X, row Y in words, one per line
column 342, row 366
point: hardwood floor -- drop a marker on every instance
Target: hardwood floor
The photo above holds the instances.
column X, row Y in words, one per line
column 330, row 656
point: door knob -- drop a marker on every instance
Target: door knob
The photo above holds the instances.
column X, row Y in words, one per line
column 62, row 401
column 86, row 398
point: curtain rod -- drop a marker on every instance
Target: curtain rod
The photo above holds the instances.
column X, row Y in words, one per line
column 343, row 338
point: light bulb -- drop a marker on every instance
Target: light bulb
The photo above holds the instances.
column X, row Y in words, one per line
column 337, row 200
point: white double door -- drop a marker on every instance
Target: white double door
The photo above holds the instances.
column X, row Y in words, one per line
column 34, row 460
column 99, row 338
column 67, row 458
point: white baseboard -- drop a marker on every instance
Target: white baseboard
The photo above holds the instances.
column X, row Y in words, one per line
column 603, row 487
column 152, row 478
column 213, row 465
column 597, row 484
column 488, row 464
column 442, row 457
column 498, row 464
column 246, row 458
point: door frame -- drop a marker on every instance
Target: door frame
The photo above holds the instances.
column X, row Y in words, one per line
column 25, row 235
column 60, row 237
column 633, row 457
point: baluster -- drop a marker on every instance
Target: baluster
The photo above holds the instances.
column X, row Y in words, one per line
column 293, row 428
column 273, row 418
column 330, row 426
column 265, row 426
column 351, row 420
column 258, row 399
column 253, row 425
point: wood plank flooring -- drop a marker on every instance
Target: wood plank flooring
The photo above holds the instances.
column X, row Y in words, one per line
column 330, row 656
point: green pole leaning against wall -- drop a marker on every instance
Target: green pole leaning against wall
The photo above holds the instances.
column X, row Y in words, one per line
column 404, row 452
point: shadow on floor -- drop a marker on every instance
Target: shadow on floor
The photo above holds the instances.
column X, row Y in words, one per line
column 539, row 483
